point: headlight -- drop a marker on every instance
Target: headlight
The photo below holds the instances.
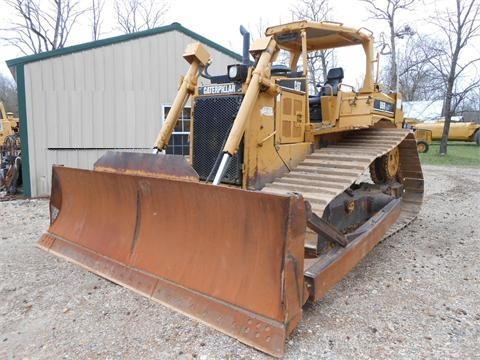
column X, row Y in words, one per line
column 237, row 72
column 232, row 72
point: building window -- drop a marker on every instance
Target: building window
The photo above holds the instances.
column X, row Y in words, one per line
column 179, row 143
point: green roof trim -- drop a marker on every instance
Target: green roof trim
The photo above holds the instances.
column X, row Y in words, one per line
column 118, row 39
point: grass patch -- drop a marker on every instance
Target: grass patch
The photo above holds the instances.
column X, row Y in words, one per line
column 458, row 154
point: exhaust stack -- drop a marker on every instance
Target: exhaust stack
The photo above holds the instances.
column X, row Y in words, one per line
column 246, row 45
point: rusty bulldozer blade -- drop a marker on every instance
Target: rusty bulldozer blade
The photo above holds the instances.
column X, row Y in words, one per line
column 231, row 258
column 237, row 268
column 151, row 165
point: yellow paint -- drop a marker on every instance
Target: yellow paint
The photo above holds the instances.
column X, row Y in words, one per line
column 8, row 124
column 459, row 131
column 274, row 117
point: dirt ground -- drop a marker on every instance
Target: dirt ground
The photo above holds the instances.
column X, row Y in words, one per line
column 416, row 295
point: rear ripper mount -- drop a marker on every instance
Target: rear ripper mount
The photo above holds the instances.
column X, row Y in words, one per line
column 242, row 273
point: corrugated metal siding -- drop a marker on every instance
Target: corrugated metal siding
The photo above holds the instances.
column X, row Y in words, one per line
column 110, row 97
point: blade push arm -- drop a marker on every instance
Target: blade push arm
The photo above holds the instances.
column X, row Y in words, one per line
column 197, row 56
column 269, row 48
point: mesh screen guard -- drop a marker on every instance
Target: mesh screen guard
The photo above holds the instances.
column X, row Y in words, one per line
column 213, row 117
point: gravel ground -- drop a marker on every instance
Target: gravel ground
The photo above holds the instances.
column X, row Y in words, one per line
column 416, row 295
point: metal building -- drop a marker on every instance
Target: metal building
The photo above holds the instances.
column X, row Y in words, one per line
column 76, row 103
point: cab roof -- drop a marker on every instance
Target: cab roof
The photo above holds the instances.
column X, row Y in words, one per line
column 320, row 36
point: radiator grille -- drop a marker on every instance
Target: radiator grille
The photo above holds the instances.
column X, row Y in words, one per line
column 212, row 120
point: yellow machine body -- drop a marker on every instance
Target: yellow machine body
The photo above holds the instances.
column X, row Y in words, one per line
column 270, row 208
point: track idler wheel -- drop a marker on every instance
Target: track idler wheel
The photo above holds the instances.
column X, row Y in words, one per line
column 385, row 168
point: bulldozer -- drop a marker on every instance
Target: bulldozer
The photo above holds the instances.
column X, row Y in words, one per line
column 285, row 189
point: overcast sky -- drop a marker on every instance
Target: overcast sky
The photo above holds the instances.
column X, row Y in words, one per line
column 219, row 20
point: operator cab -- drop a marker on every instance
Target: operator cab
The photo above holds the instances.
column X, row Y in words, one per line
column 299, row 40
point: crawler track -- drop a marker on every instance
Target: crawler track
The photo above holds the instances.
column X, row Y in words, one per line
column 329, row 171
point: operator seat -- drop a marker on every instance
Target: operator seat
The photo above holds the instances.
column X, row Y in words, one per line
column 334, row 79
column 330, row 88
column 315, row 108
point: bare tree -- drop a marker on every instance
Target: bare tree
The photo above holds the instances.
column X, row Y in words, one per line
column 8, row 94
column 458, row 27
column 259, row 28
column 97, row 18
column 472, row 101
column 138, row 15
column 319, row 61
column 417, row 78
column 38, row 26
column 387, row 10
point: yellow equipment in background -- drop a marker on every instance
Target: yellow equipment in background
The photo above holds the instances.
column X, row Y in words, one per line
column 422, row 136
column 10, row 157
column 424, row 139
column 274, row 205
column 459, row 131
column 8, row 124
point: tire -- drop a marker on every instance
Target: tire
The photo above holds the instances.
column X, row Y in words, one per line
column 477, row 137
column 422, row 146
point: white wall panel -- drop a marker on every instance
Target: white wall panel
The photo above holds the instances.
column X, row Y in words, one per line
column 81, row 104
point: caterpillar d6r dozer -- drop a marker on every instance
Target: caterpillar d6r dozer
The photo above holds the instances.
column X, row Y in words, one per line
column 283, row 193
